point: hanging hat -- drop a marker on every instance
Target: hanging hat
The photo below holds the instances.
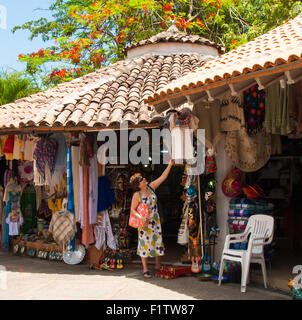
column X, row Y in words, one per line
column 253, row 192
column 232, row 183
column 248, row 153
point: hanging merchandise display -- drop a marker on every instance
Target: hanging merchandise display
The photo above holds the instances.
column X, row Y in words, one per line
column 254, row 109
column 12, row 197
column 28, row 208
column 63, row 226
column 25, row 171
column 208, row 114
column 209, row 224
column 248, row 153
column 232, row 183
column 277, row 117
column 231, row 113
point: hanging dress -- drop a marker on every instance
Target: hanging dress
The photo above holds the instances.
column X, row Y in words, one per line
column 150, row 243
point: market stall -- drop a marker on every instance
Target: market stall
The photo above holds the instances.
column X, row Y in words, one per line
column 250, row 102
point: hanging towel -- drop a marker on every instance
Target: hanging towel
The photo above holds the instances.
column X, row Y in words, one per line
column 70, row 194
column 75, row 156
column 277, row 119
column 208, row 114
column 45, row 154
column 87, row 230
column 106, row 197
column 93, row 189
column 103, row 230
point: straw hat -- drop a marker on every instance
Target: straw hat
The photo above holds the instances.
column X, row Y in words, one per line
column 253, row 192
column 232, row 183
column 249, row 153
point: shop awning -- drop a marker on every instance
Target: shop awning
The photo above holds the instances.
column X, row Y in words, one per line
column 276, row 55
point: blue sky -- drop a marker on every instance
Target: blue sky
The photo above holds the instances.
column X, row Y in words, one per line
column 11, row 45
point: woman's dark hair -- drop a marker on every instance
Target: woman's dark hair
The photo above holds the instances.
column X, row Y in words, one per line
column 135, row 181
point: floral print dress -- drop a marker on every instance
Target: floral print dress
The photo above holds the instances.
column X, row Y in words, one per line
column 150, row 243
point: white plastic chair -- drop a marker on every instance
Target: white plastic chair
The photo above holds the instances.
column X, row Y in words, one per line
column 258, row 232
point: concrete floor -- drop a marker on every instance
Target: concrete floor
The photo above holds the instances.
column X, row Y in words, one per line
column 32, row 278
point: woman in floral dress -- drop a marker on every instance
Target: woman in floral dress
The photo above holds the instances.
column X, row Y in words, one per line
column 150, row 243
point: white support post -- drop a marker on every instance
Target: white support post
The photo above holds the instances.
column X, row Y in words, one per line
column 224, row 165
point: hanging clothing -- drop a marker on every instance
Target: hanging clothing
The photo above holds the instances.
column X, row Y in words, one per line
column 8, row 148
column 28, row 208
column 29, row 142
column 150, row 243
column 87, row 230
column 17, row 148
column 231, row 113
column 45, row 153
column 208, row 114
column 61, row 149
column 106, row 196
column 12, row 196
column 254, row 109
column 44, row 212
column 54, row 204
column 277, row 119
column 102, row 231
column 14, row 221
column 62, row 226
column 75, row 156
column 70, row 194
column 84, row 146
column 25, row 171
column 2, row 216
column 295, row 106
column 181, row 135
column 93, row 189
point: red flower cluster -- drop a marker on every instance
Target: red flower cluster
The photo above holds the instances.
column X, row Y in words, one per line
column 182, row 23
column 63, row 73
column 97, row 59
column 169, row 7
column 120, row 37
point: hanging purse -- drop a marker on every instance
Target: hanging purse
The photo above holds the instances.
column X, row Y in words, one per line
column 141, row 209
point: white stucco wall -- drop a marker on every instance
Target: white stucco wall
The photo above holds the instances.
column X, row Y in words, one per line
column 168, row 48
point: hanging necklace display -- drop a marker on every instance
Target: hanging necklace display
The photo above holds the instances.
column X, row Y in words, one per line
column 211, row 230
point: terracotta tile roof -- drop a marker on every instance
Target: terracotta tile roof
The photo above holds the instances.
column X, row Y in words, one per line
column 102, row 98
column 173, row 35
column 279, row 46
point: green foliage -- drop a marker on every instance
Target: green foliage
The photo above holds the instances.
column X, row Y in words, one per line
column 14, row 85
column 89, row 34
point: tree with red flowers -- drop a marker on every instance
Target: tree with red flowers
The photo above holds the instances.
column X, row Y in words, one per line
column 90, row 34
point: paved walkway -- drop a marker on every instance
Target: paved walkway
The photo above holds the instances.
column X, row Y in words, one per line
column 32, row 278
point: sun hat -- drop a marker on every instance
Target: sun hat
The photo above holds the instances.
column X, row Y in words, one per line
column 248, row 153
column 232, row 183
column 253, row 192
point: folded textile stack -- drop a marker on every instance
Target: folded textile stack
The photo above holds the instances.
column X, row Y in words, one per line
column 239, row 212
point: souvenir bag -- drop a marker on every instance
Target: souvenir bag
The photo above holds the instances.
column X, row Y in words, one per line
column 141, row 209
